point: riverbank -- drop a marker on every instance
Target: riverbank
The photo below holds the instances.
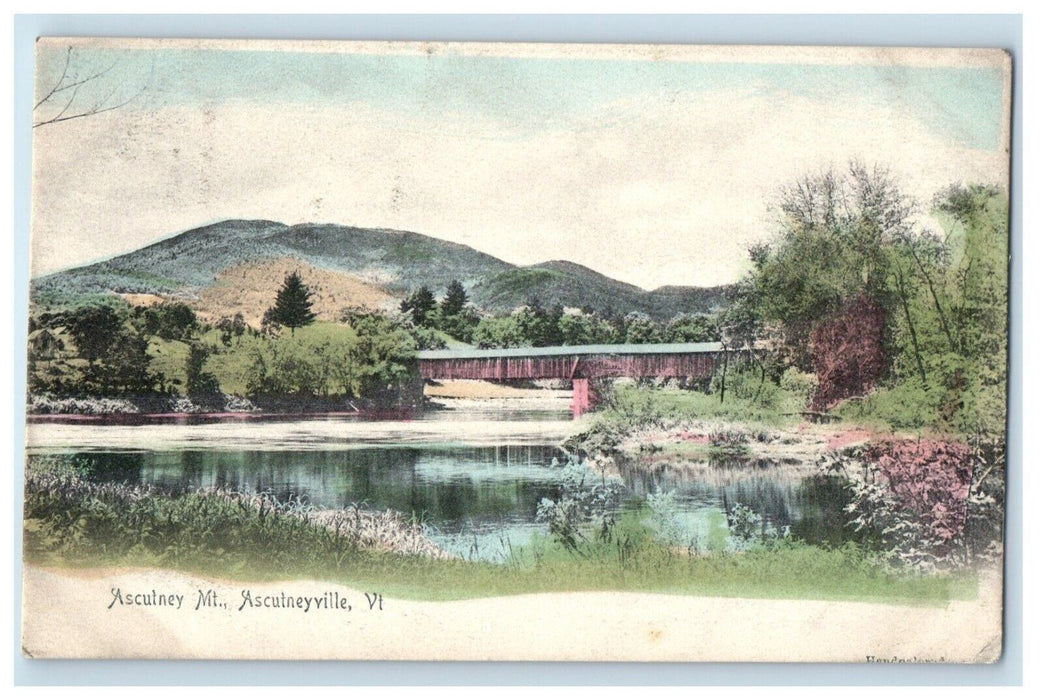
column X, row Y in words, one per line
column 47, row 406
column 450, row 393
column 43, row 404
column 73, row 521
column 696, row 438
column 70, row 614
column 659, row 426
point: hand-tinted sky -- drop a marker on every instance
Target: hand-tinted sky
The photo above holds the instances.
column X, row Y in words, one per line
column 652, row 171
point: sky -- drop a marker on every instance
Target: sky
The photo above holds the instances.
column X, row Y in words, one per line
column 655, row 166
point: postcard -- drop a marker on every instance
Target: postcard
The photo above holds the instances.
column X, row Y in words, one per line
column 454, row 351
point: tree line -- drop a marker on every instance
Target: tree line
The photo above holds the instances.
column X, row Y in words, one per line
column 115, row 351
column 537, row 325
column 884, row 315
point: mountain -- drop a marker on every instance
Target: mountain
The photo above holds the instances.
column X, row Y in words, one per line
column 570, row 284
column 397, row 260
column 372, row 262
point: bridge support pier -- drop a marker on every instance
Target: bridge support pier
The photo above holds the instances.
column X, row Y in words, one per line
column 581, row 396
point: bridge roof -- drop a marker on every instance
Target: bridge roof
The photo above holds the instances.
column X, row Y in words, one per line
column 572, row 350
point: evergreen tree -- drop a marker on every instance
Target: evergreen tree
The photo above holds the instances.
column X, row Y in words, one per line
column 419, row 305
column 293, row 306
column 455, row 317
column 455, row 299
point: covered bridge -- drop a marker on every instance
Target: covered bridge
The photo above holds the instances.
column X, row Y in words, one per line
column 580, row 363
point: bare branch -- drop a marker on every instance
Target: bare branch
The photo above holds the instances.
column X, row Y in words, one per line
column 65, row 71
column 67, row 82
column 68, row 104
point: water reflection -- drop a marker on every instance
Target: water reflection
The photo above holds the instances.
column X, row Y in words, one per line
column 477, row 498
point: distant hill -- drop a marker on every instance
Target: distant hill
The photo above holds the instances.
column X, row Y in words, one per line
column 358, row 266
column 570, row 284
column 248, row 289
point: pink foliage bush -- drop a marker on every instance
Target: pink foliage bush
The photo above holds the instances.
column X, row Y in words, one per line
column 931, row 479
column 848, row 352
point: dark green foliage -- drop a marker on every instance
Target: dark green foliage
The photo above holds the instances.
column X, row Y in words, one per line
column 586, row 328
column 499, row 332
column 455, row 316
column 641, row 329
column 428, row 339
column 454, row 300
column 199, row 382
column 553, row 326
column 690, row 328
column 231, row 328
column 540, row 326
column 116, row 354
column 169, row 320
column 420, row 305
column 293, row 305
column 95, row 330
column 460, row 326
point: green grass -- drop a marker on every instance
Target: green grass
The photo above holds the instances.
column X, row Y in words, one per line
column 793, row 572
column 774, row 410
column 230, row 365
column 168, row 357
column 633, row 408
column 451, row 342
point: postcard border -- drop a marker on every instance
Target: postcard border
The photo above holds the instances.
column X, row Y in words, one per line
column 1000, row 31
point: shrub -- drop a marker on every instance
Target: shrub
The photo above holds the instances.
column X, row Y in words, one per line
column 749, row 529
column 910, row 497
column 744, row 522
column 800, row 385
column 666, row 518
column 580, row 504
column 751, row 384
column 729, row 441
column 908, row 405
column 199, row 382
column 931, row 478
column 69, row 515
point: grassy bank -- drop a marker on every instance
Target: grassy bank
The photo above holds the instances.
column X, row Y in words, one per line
column 693, row 424
column 71, row 523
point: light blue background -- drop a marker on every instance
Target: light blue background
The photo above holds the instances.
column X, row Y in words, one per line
column 996, row 31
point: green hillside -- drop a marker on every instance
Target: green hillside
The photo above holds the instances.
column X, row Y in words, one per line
column 573, row 285
column 395, row 261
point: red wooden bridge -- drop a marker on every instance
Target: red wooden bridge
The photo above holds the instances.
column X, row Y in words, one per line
column 580, row 363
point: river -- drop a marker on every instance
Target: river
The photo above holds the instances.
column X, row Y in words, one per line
column 473, row 474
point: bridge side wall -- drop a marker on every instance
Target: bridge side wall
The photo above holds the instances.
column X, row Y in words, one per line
column 566, row 367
